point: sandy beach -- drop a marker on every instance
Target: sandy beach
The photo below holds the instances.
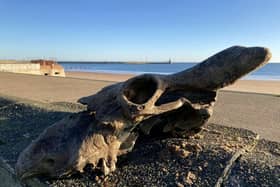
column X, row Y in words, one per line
column 240, row 105
column 252, row 86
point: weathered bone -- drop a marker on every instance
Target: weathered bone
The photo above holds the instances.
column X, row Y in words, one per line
column 175, row 104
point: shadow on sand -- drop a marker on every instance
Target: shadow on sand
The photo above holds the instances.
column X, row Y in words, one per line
column 22, row 121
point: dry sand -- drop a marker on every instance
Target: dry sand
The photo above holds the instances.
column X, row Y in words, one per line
column 99, row 76
column 47, row 89
column 267, row 87
column 257, row 112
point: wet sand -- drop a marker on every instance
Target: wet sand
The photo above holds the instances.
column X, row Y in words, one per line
column 257, row 112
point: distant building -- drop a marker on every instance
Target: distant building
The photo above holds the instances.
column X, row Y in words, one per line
column 35, row 67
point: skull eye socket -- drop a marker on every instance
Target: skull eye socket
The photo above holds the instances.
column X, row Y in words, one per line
column 141, row 89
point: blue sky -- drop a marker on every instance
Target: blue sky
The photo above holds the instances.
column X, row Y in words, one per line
column 128, row 30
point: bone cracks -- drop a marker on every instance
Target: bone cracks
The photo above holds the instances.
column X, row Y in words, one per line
column 150, row 104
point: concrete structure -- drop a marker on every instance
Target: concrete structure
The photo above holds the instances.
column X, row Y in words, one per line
column 35, row 67
column 27, row 68
column 49, row 68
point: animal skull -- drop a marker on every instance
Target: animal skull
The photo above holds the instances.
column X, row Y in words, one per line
column 177, row 103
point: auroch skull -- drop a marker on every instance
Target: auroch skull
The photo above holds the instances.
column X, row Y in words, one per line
column 175, row 103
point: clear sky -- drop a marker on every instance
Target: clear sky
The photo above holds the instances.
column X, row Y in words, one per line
column 128, row 30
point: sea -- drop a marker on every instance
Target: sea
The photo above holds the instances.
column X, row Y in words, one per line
column 270, row 71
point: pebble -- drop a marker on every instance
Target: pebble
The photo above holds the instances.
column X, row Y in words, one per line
column 198, row 136
column 179, row 184
column 175, row 148
column 26, row 135
column 190, row 178
column 183, row 153
column 276, row 151
column 249, row 170
column 237, row 139
column 97, row 178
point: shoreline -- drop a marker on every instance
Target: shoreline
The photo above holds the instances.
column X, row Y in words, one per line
column 247, row 86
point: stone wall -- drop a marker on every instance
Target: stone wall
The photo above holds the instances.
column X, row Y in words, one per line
column 26, row 68
column 35, row 67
